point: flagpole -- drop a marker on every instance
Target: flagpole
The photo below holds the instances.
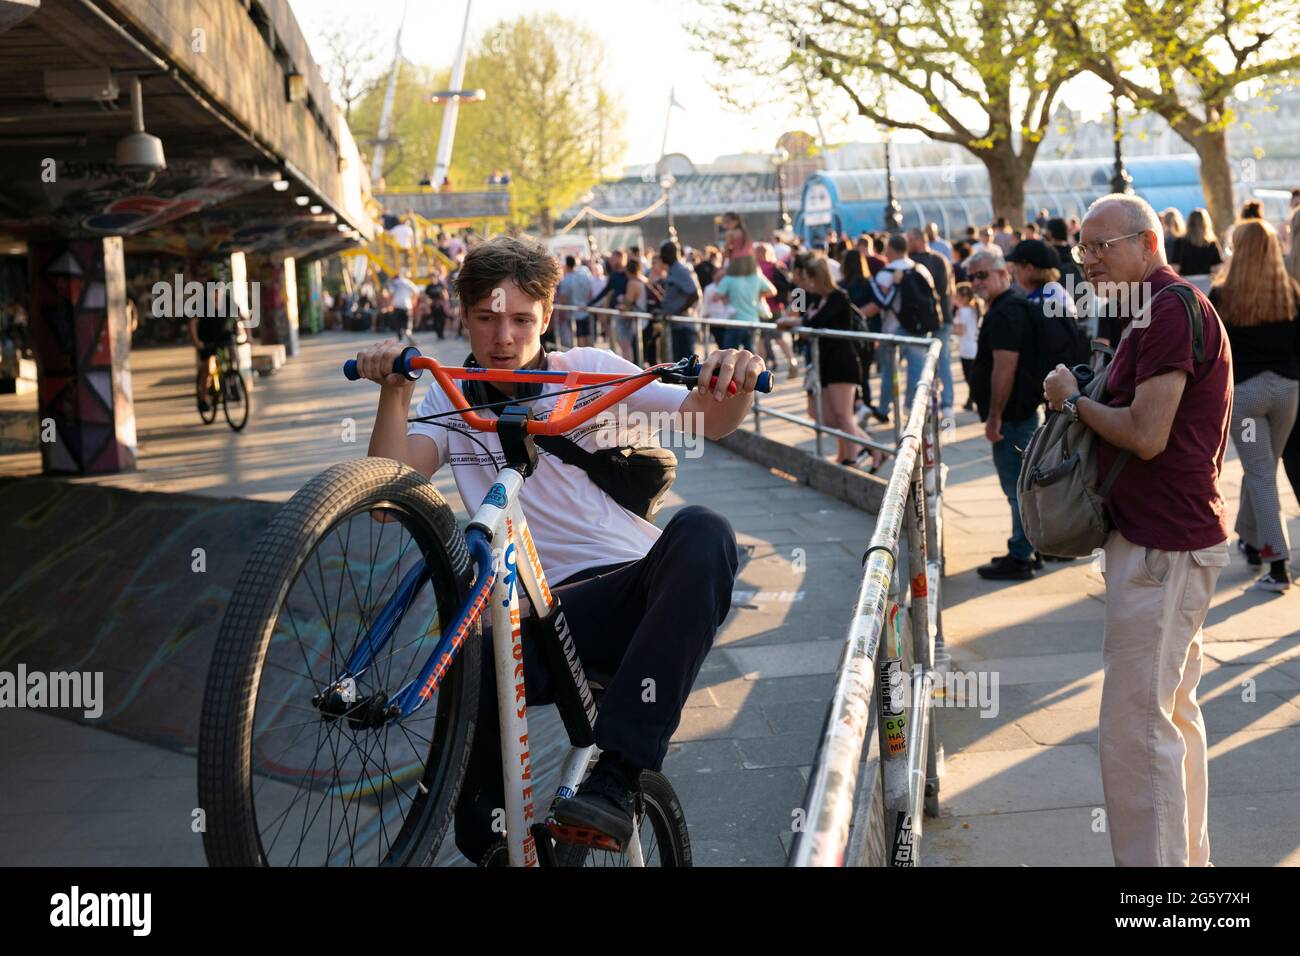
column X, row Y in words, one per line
column 663, row 147
column 442, row 162
column 386, row 113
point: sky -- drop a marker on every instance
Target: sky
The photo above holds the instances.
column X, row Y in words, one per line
column 648, row 55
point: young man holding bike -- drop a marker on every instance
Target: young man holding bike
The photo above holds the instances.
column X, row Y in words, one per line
column 643, row 604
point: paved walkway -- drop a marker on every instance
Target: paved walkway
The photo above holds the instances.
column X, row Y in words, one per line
column 70, row 793
column 1022, row 785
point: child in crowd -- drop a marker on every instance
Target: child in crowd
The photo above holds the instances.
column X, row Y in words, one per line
column 966, row 323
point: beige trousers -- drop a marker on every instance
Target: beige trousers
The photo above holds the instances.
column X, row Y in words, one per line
column 1152, row 738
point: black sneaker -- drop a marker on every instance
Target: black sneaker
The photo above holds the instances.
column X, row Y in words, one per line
column 605, row 802
column 1252, row 554
column 1006, row 568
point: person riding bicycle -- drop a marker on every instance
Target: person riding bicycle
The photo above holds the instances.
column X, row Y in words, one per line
column 210, row 333
column 643, row 605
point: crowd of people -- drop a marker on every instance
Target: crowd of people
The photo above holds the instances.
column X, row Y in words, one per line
column 975, row 292
column 1032, row 312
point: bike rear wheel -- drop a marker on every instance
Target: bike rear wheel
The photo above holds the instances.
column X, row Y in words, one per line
column 235, row 400
column 283, row 782
column 664, row 838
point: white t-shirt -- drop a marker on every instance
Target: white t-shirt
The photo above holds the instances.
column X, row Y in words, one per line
column 574, row 524
column 403, row 235
column 404, row 291
column 968, row 337
column 713, row 307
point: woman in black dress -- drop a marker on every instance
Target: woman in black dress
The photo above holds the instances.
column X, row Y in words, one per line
column 840, row 369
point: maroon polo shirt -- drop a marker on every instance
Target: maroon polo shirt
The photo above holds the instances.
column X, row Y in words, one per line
column 1172, row 502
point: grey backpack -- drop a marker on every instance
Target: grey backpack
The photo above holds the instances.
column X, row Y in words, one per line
column 1060, row 498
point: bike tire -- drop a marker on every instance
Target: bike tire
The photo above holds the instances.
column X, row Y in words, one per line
column 229, row 785
column 210, row 416
column 663, row 821
column 236, row 401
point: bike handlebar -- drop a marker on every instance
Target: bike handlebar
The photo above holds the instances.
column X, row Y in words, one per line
column 410, row 363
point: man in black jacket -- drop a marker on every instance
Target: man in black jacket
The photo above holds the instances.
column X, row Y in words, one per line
column 1007, row 406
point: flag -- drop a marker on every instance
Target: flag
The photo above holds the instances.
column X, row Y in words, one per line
column 672, row 100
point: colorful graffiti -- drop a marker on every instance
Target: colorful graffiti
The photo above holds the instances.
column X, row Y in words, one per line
column 79, row 335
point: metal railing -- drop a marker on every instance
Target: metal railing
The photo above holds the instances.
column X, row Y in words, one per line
column 870, row 811
column 895, row 343
column 877, row 768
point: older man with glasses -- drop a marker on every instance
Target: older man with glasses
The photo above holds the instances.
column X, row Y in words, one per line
column 1008, row 404
column 1167, row 410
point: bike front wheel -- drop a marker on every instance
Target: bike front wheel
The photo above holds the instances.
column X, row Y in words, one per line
column 286, row 776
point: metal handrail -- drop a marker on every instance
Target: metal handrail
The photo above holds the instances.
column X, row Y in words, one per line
column 894, row 342
column 886, row 826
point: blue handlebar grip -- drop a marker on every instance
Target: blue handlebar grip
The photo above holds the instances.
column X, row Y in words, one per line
column 401, row 365
column 764, row 383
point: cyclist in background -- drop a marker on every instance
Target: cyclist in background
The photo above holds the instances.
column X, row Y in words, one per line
column 209, row 334
column 643, row 604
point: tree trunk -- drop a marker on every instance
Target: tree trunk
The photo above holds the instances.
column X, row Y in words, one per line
column 1006, row 186
column 1216, row 178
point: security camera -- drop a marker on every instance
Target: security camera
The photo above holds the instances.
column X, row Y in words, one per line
column 140, row 157
column 139, row 154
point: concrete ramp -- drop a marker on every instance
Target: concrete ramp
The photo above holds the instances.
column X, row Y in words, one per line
column 133, row 584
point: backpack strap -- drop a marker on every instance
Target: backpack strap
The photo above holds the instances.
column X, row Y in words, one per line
column 565, row 449
column 1195, row 315
column 1104, row 489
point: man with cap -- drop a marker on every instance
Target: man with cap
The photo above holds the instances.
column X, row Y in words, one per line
column 1037, row 271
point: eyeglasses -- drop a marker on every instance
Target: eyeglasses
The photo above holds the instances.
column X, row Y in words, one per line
column 1098, row 248
column 978, row 276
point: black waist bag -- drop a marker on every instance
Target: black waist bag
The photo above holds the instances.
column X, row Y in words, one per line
column 637, row 477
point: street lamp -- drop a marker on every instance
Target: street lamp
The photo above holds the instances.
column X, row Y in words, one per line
column 893, row 213
column 586, row 203
column 1120, row 181
column 780, row 157
column 458, row 96
column 666, row 183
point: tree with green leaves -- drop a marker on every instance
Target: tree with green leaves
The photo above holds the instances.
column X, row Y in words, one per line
column 1184, row 59
column 547, row 118
column 413, row 131
column 981, row 74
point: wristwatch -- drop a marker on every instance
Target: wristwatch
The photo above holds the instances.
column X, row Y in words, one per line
column 1071, row 406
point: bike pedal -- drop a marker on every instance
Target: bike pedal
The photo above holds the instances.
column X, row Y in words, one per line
column 583, row 836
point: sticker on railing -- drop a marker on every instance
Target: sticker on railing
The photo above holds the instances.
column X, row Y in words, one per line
column 892, row 705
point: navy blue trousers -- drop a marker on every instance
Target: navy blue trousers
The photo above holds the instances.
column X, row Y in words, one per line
column 649, row 624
